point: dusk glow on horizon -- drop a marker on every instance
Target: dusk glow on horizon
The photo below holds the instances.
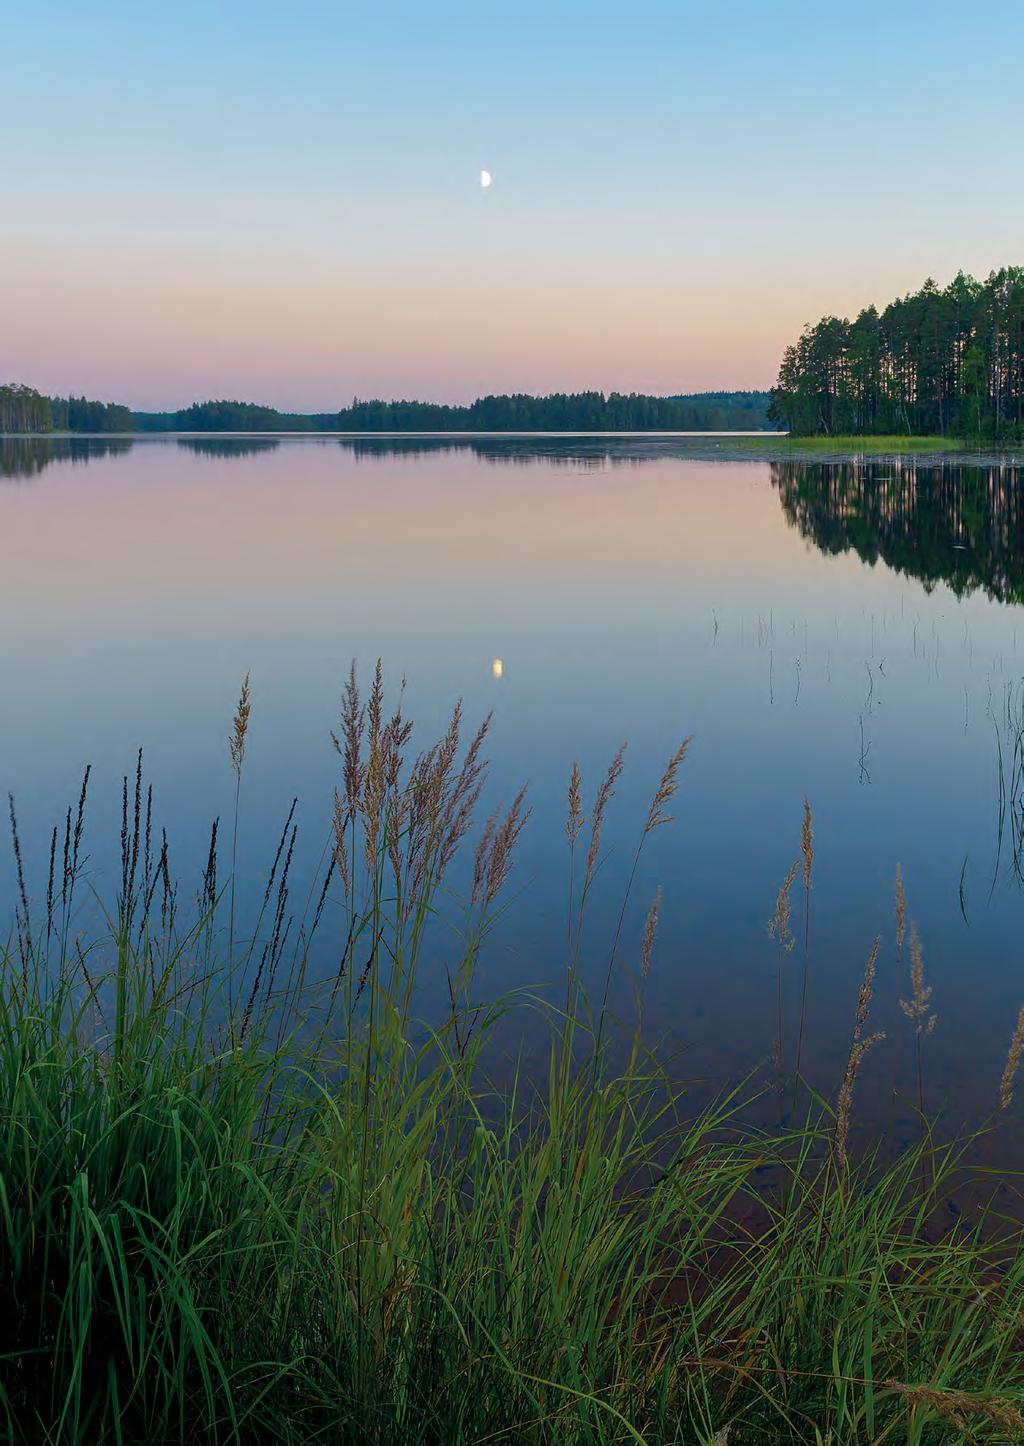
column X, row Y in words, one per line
column 243, row 201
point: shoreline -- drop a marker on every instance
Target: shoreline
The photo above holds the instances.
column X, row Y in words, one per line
column 696, row 446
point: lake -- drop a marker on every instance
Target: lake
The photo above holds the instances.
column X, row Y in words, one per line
column 849, row 630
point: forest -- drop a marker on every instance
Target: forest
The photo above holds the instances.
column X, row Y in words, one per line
column 561, row 411
column 942, row 361
column 22, row 409
column 229, row 416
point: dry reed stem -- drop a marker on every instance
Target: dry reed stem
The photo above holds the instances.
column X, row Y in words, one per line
column 416, row 815
column 858, row 1049
column 604, row 796
column 463, row 797
column 917, row 1009
column 1012, row 1065
column 778, row 928
column 574, row 823
column 866, row 990
column 482, row 855
column 666, row 789
column 958, row 1407
column 901, row 909
column 807, row 853
column 650, row 928
column 807, row 842
column 240, row 728
column 853, row 1064
column 778, row 924
column 496, row 864
column 340, row 822
column 349, row 745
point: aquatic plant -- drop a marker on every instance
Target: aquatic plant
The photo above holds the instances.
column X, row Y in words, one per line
column 314, row 1209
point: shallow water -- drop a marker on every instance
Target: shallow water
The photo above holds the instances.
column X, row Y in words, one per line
column 851, row 630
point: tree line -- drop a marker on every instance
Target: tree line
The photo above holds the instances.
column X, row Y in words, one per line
column 228, row 416
column 561, row 411
column 941, row 361
column 23, row 409
column 565, row 411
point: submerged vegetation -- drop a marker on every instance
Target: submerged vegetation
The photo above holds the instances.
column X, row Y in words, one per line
column 946, row 362
column 240, row 1201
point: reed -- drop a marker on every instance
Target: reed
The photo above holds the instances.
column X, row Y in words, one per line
column 236, row 749
column 807, row 855
column 314, row 1210
column 858, row 1049
column 901, row 929
column 779, row 930
column 918, row 1010
column 1012, row 1066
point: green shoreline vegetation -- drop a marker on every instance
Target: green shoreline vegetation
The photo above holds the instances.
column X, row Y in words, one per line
column 238, row 1205
column 861, row 443
column 946, row 362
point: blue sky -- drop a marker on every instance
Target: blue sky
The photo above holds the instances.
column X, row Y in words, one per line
column 283, row 201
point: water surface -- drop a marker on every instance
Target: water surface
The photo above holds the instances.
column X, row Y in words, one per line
column 846, row 629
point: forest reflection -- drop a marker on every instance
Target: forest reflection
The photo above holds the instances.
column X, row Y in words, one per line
column 575, row 451
column 958, row 524
column 228, row 447
column 25, row 457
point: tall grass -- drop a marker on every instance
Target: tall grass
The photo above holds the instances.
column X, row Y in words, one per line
column 294, row 1211
column 862, row 443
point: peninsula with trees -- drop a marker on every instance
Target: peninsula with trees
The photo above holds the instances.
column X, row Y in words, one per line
column 944, row 362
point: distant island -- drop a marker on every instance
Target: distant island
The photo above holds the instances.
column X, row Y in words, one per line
column 24, row 410
column 940, row 362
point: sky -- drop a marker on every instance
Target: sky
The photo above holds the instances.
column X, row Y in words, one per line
column 282, row 202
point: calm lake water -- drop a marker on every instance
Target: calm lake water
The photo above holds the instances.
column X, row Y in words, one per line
column 848, row 630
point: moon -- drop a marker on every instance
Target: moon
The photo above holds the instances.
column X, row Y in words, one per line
column 485, row 179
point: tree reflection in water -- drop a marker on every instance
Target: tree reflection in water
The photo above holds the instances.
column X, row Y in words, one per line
column 937, row 522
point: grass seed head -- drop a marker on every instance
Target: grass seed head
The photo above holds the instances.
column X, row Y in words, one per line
column 604, row 797
column 901, row 909
column 778, row 924
column 917, row 1008
column 1012, row 1065
column 650, row 929
column 807, row 842
column 667, row 788
column 240, row 727
column 574, row 822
